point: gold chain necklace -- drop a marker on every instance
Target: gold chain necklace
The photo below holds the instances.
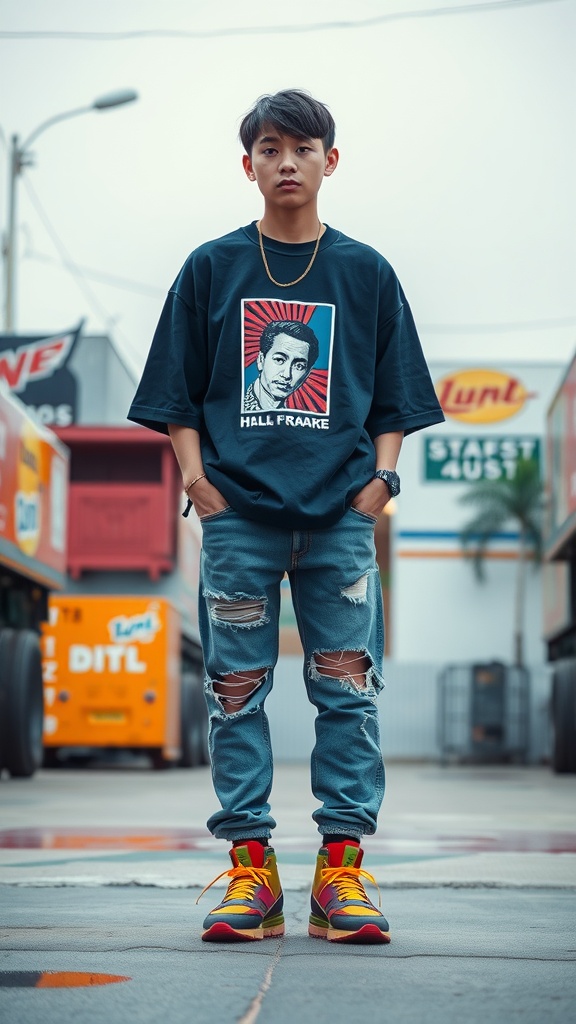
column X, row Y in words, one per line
column 288, row 284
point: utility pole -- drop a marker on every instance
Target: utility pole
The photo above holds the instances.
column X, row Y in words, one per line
column 21, row 157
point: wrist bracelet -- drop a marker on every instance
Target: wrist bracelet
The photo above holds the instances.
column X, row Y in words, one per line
column 201, row 476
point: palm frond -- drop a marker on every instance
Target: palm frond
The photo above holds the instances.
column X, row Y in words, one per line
column 518, row 500
column 476, row 535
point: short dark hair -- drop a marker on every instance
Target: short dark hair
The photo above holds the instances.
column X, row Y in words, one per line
column 295, row 329
column 291, row 112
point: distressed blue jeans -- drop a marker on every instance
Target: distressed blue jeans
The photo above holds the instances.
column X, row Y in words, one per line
column 337, row 599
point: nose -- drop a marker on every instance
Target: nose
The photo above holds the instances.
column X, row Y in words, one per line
column 287, row 162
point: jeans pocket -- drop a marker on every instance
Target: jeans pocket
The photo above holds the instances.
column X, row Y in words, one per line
column 363, row 515
column 215, row 515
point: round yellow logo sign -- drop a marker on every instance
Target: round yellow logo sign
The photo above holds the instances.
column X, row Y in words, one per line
column 481, row 396
column 27, row 500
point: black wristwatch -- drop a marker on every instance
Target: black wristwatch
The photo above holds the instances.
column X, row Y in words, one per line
column 391, row 479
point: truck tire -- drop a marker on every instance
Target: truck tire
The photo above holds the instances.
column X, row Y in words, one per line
column 51, row 758
column 564, row 718
column 23, row 702
column 192, row 721
column 158, row 761
column 6, row 641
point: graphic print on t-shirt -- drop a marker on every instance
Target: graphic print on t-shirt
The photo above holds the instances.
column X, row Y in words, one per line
column 286, row 361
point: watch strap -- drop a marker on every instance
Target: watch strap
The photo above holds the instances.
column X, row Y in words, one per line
column 391, row 479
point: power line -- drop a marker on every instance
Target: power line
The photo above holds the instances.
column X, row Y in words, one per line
column 80, row 279
column 67, row 260
column 129, row 284
column 125, row 283
column 248, row 30
column 552, row 323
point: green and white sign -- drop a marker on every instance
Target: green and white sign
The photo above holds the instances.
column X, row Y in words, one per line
column 456, row 459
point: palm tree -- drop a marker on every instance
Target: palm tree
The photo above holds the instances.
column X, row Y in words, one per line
column 518, row 501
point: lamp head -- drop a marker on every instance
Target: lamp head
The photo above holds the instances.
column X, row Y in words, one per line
column 115, row 99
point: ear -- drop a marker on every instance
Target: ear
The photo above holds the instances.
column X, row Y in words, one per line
column 332, row 157
column 247, row 165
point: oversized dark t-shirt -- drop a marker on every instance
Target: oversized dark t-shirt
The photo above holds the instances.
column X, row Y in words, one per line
column 287, row 386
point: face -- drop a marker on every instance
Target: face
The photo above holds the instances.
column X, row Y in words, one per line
column 289, row 171
column 284, row 366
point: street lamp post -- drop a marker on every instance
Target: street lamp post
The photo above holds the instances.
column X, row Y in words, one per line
column 21, row 157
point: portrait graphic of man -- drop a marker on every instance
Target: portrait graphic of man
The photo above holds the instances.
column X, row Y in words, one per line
column 288, row 351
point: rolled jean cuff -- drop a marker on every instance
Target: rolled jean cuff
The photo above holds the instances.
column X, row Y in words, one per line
column 327, row 831
column 247, row 838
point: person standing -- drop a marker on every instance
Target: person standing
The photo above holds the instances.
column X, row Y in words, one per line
column 295, row 488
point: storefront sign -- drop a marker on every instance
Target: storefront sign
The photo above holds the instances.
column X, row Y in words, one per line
column 481, row 396
column 466, row 459
column 36, row 369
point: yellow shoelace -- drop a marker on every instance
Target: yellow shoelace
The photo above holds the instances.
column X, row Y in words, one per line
column 347, row 883
column 243, row 882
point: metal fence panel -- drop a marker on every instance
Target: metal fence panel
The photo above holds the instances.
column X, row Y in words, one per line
column 410, row 707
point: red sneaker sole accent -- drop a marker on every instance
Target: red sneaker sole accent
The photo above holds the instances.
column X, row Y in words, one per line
column 222, row 932
column 369, row 933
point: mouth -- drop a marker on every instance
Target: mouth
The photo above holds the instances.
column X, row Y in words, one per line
column 289, row 185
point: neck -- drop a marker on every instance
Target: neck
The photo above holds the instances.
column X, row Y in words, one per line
column 291, row 225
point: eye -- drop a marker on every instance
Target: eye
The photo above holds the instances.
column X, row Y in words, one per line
column 269, row 151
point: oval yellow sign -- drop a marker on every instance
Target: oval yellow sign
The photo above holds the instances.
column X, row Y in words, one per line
column 28, row 498
column 481, row 396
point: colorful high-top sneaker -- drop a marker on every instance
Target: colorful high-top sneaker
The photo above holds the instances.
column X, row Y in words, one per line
column 341, row 910
column 252, row 906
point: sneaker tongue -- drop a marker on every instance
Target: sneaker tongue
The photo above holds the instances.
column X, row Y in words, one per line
column 344, row 855
column 250, row 855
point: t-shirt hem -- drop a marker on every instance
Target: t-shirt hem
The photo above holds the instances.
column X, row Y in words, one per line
column 408, row 424
column 158, row 419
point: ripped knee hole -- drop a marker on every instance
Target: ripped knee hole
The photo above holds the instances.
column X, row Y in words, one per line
column 351, row 665
column 244, row 611
column 233, row 689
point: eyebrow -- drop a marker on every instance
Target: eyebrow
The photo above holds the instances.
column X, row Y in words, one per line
column 282, row 352
column 276, row 138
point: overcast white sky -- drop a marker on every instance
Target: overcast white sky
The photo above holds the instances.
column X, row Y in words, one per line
column 456, row 134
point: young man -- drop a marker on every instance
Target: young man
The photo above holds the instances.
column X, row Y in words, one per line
column 294, row 486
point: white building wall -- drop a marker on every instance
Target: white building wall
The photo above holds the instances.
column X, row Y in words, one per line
column 440, row 613
column 408, row 709
column 105, row 386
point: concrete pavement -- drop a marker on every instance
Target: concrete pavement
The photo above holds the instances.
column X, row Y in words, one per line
column 100, row 869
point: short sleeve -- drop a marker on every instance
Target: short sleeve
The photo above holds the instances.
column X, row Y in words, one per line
column 174, row 380
column 404, row 395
